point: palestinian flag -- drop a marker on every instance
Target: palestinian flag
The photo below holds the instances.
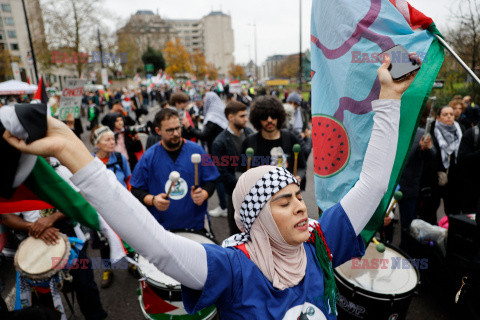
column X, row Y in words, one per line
column 347, row 37
column 30, row 183
column 41, row 94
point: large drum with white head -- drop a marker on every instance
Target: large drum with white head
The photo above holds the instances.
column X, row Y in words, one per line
column 379, row 286
column 161, row 296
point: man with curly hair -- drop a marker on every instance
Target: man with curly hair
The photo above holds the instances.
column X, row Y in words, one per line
column 271, row 144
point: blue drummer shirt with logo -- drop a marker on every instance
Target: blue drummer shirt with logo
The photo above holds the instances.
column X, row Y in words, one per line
column 152, row 174
column 240, row 290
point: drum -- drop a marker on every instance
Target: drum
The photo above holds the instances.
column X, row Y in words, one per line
column 379, row 286
column 160, row 296
column 39, row 262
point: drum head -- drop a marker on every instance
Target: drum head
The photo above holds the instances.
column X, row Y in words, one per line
column 398, row 275
column 157, row 278
column 35, row 257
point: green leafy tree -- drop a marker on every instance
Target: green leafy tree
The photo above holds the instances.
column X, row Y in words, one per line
column 152, row 56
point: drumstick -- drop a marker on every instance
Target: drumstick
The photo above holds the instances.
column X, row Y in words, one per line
column 173, row 177
column 296, row 151
column 196, row 159
column 379, row 246
column 249, row 152
column 397, row 196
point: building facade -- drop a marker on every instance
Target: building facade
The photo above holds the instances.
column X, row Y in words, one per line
column 14, row 38
column 212, row 35
column 219, row 41
column 147, row 29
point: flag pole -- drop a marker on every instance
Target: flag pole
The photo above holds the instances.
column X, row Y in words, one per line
column 462, row 63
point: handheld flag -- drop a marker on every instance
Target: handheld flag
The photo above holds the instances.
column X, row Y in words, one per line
column 30, row 183
column 347, row 37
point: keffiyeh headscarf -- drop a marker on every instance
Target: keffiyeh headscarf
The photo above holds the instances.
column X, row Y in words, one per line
column 448, row 137
column 281, row 263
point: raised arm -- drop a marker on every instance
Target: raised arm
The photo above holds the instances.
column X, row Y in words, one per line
column 178, row 257
column 363, row 199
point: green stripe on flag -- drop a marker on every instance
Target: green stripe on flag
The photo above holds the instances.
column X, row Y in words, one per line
column 413, row 103
column 51, row 188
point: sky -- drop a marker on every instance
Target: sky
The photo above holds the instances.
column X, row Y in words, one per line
column 277, row 21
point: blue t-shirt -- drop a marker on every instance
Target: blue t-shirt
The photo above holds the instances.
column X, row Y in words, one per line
column 240, row 290
column 121, row 173
column 152, row 174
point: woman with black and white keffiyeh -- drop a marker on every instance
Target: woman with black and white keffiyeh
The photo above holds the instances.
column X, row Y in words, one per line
column 447, row 135
column 280, row 265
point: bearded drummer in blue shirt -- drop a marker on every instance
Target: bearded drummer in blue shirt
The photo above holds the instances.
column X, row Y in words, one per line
column 281, row 265
column 186, row 206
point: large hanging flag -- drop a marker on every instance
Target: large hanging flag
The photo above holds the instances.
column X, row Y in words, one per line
column 30, row 183
column 347, row 37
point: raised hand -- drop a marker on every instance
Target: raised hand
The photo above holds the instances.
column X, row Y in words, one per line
column 391, row 89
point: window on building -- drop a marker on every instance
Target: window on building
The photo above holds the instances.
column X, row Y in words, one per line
column 6, row 8
column 12, row 34
column 2, row 37
column 14, row 46
column 9, row 21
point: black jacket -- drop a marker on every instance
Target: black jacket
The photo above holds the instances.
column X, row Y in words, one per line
column 133, row 146
column 222, row 146
column 416, row 161
column 288, row 139
column 208, row 134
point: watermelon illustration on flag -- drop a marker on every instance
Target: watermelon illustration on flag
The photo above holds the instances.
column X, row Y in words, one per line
column 346, row 39
column 30, row 183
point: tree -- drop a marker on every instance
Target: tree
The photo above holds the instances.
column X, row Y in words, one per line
column 73, row 24
column 177, row 58
column 126, row 45
column 288, row 68
column 236, row 71
column 465, row 35
column 212, row 71
column 152, row 56
column 5, row 64
column 199, row 64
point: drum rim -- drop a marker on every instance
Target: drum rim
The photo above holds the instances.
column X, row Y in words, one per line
column 175, row 287
column 147, row 316
column 385, row 296
column 50, row 273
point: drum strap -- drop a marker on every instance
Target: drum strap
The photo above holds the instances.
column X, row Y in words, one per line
column 24, row 286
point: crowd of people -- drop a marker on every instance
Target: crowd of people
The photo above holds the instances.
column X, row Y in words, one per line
column 227, row 134
column 217, row 126
column 290, row 257
column 442, row 164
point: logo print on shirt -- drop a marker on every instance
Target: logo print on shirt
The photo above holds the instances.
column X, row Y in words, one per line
column 307, row 311
column 179, row 190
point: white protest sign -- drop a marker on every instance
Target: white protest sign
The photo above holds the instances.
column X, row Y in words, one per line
column 16, row 71
column 104, row 77
column 71, row 100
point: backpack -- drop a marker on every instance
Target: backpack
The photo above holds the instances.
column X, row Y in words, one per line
column 119, row 161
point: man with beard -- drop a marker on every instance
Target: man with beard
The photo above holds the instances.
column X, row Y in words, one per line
column 227, row 145
column 271, row 145
column 186, row 207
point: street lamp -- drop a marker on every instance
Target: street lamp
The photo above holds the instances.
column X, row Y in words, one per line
column 300, row 54
column 254, row 25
